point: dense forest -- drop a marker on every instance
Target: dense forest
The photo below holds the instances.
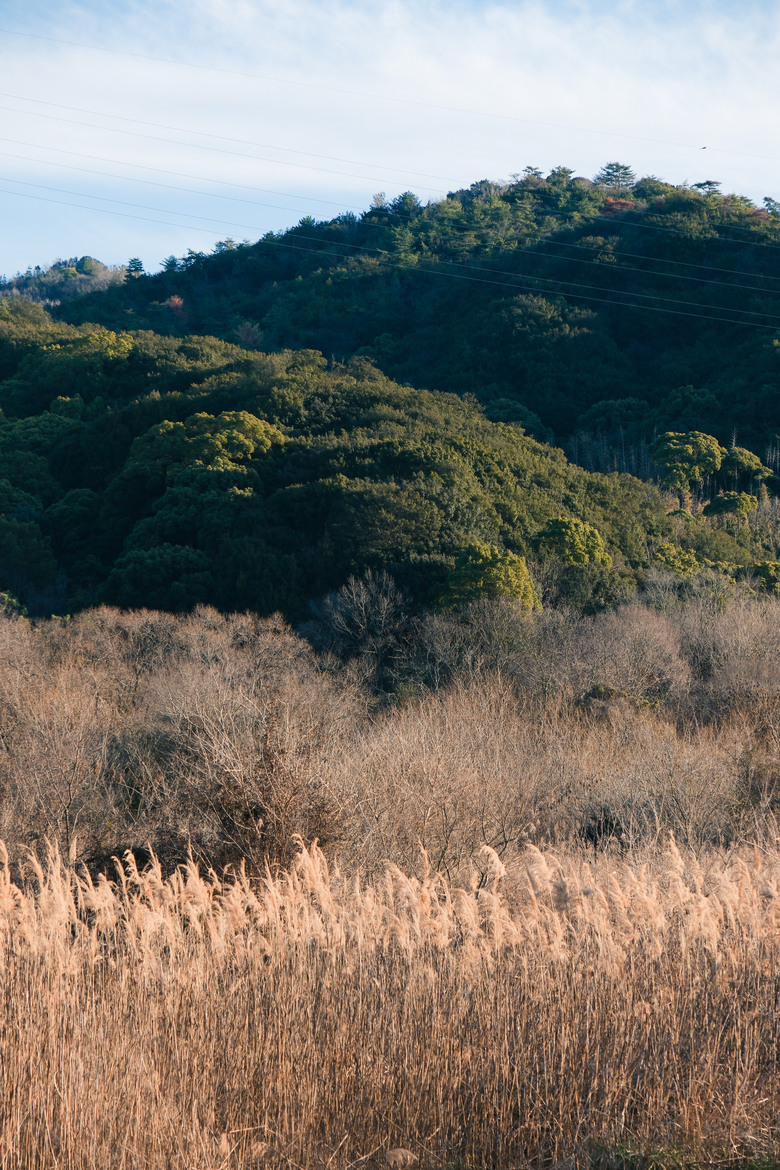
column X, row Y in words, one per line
column 250, row 428
column 600, row 307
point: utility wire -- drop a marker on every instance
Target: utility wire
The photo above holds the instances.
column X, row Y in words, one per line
column 461, row 228
column 224, row 138
column 362, row 251
column 525, row 251
column 535, row 288
column 221, row 137
column 177, row 174
column 520, row 252
column 533, row 194
column 521, row 281
column 553, row 280
column 202, row 146
column 680, row 263
column 645, row 271
column 127, row 203
column 105, row 211
column 718, row 239
column 378, row 97
column 148, row 183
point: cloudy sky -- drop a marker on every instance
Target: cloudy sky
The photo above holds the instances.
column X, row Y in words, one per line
column 157, row 126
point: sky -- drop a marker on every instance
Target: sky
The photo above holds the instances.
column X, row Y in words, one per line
column 154, row 127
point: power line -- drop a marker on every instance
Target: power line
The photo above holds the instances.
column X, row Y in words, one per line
column 645, row 271
column 177, row 174
column 598, row 219
column 220, row 137
column 523, row 252
column 533, row 193
column 521, row 281
column 681, row 263
column 364, row 251
column 201, row 146
column 654, row 227
column 379, row 97
column 532, row 287
column 105, row 211
column 461, row 228
column 126, row 203
column 147, row 182
column 568, row 283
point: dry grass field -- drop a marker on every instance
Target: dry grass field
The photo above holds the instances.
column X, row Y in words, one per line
column 541, row 926
column 592, row 1011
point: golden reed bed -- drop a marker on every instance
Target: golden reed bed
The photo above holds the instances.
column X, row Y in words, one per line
column 577, row 1009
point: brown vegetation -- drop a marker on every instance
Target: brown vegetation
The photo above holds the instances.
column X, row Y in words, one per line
column 311, row 1020
column 541, row 926
column 227, row 736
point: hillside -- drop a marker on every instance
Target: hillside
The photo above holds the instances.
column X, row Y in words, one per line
column 482, row 856
column 617, row 309
column 162, row 471
column 180, row 439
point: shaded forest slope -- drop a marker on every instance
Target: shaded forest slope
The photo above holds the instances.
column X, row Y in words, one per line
column 180, row 439
column 569, row 306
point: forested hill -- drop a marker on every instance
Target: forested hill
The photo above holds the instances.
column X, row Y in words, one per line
column 159, row 471
column 180, row 438
column 610, row 310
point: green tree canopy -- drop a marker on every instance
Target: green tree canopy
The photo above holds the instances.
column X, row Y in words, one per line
column 685, row 459
column 615, row 174
column 743, row 465
column 737, row 504
column 768, row 573
column 574, row 542
column 740, row 503
column 483, row 571
column 168, row 576
column 201, row 443
column 683, row 562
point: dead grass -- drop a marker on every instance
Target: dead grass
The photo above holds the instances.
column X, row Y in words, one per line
column 310, row 1020
column 541, row 927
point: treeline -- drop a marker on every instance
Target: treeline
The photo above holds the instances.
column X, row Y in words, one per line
column 594, row 312
column 152, row 454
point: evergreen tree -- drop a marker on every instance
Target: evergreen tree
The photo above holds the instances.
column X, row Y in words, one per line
column 617, row 175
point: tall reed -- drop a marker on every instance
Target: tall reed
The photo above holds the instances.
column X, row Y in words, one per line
column 574, row 1007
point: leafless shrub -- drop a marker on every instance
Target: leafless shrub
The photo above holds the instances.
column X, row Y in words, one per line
column 635, row 650
column 363, row 620
column 228, row 735
column 204, row 733
column 734, row 650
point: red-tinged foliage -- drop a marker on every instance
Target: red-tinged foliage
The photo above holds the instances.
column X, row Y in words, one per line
column 616, row 206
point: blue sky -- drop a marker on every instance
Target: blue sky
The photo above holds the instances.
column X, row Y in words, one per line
column 163, row 126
